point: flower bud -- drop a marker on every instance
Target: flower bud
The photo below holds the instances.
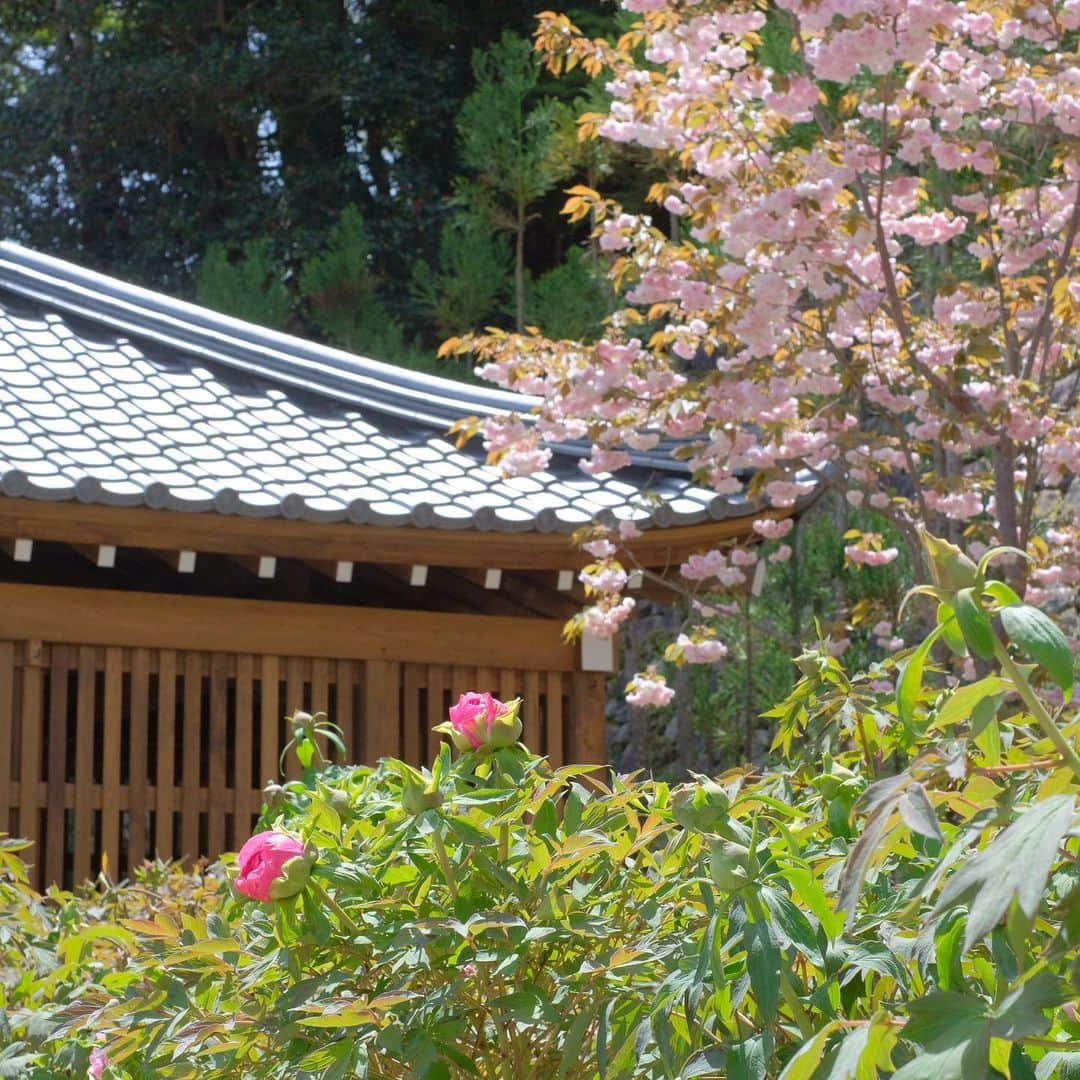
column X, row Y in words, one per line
column 950, row 568
column 419, row 792
column 339, row 801
column 482, row 722
column 273, row 795
column 728, row 863
column 273, row 866
column 701, row 807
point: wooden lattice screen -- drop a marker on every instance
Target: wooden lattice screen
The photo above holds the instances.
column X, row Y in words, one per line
column 127, row 753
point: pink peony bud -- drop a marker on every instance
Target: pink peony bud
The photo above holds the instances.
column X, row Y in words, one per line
column 480, row 720
column 273, row 866
column 98, row 1061
column 469, row 971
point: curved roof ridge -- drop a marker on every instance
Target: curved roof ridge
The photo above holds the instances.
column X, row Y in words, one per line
column 270, row 354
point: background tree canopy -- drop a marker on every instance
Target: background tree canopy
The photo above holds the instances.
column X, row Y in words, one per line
column 174, row 141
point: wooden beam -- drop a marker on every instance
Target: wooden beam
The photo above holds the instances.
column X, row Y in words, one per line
column 209, row 624
column 233, row 534
column 467, row 587
column 535, row 592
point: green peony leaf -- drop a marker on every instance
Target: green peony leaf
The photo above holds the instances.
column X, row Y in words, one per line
column 975, row 624
column 1041, row 638
column 950, row 629
column 1015, row 864
column 1021, row 1013
column 953, row 1034
column 909, row 685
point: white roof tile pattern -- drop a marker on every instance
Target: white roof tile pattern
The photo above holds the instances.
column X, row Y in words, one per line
column 115, row 395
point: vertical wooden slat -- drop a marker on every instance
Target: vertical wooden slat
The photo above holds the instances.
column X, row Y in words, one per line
column 587, row 723
column 462, row 680
column 270, row 676
column 55, row 838
column 487, row 681
column 84, row 764
column 166, row 755
column 30, row 725
column 509, row 684
column 189, row 775
column 294, row 699
column 532, row 735
column 244, row 801
column 138, row 777
column 555, row 744
column 413, row 744
column 217, row 749
column 436, row 691
column 7, row 729
column 320, row 696
column 110, row 765
column 382, row 682
column 344, row 678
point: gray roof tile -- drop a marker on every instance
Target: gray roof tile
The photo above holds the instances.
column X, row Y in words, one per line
column 112, row 394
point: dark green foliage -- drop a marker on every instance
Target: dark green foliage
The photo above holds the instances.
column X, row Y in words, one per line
column 140, row 135
column 251, row 287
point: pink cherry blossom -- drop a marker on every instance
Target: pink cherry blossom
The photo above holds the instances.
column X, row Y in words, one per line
column 649, row 690
column 820, row 345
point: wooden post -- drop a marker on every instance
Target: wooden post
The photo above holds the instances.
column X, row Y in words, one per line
column 244, row 803
column 556, row 746
column 382, row 682
column 270, row 719
column 216, row 752
column 413, row 743
column 588, row 723
column 30, row 734
column 55, row 839
column 7, row 729
column 189, row 776
column 166, row 755
column 110, row 765
column 84, row 765
column 138, row 773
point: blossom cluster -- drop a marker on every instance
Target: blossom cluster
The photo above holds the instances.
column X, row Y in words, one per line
column 806, row 333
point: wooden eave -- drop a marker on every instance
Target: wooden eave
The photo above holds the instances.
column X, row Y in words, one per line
column 169, row 530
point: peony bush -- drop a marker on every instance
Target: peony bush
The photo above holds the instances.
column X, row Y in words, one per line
column 900, row 898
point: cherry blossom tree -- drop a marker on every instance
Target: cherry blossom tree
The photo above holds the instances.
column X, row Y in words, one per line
column 872, row 285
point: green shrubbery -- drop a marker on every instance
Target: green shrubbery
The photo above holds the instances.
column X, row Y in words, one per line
column 902, row 898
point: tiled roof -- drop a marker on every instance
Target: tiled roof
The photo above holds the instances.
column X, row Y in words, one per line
column 116, row 395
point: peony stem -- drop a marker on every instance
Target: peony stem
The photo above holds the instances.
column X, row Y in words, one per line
column 1037, row 708
column 335, row 907
column 444, row 863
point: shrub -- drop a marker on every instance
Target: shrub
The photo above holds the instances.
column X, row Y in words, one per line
column 496, row 918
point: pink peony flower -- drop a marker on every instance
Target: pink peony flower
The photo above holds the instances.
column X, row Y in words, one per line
column 273, row 866
column 98, row 1062
column 480, row 720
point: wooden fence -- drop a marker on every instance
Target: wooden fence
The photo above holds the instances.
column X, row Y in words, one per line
column 121, row 752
